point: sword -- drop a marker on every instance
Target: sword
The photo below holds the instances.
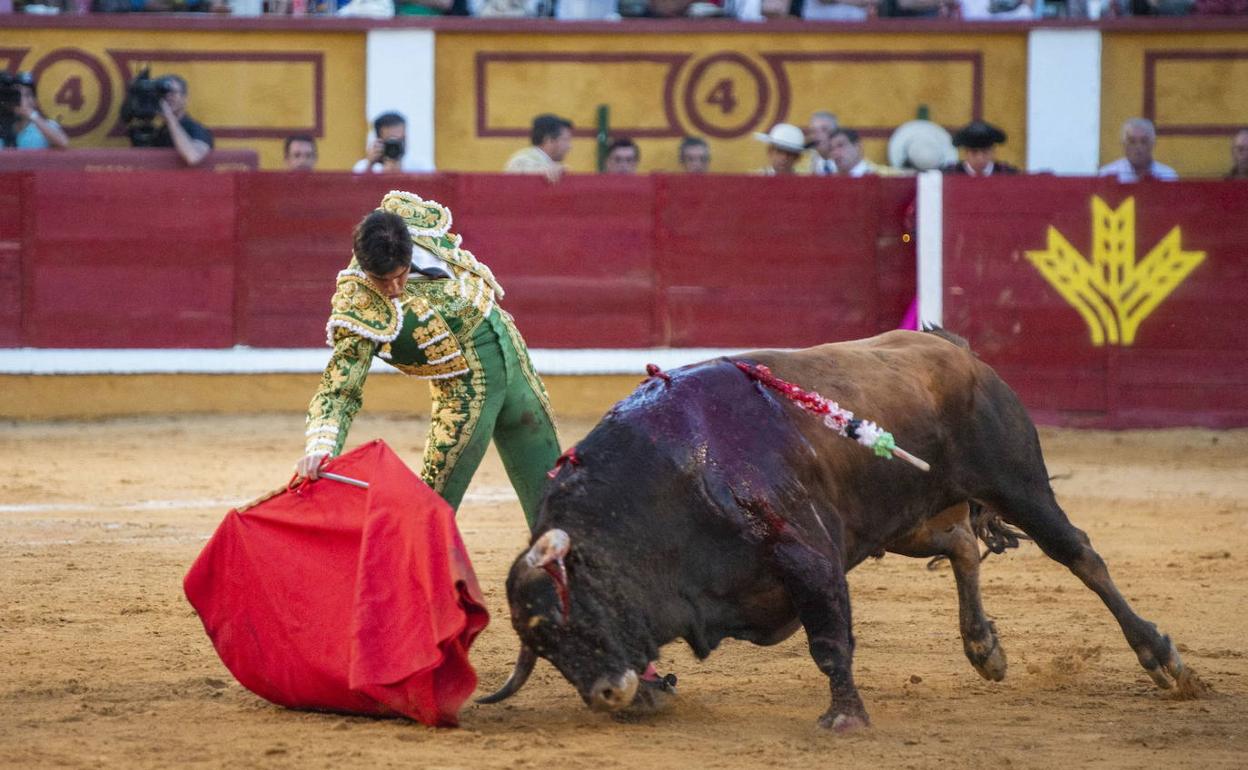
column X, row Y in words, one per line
column 344, row 479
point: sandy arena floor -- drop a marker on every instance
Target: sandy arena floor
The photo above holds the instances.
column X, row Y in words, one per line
column 102, row 662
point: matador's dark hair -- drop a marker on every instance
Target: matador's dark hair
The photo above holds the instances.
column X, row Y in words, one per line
column 382, row 243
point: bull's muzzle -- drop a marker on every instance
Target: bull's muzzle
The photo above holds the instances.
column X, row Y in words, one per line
column 613, row 693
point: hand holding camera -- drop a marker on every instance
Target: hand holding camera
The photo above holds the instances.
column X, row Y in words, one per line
column 388, row 152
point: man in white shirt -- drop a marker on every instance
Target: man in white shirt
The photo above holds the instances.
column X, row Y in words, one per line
column 1138, row 139
column 387, row 150
column 551, row 141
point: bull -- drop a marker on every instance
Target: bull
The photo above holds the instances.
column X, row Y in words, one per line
column 707, row 506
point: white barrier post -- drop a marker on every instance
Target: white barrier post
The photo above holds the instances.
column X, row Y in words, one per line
column 930, row 210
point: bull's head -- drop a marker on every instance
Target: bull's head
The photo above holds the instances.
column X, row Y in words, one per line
column 563, row 613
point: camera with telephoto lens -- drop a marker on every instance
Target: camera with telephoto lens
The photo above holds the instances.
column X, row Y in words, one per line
column 141, row 107
column 392, row 149
column 10, row 100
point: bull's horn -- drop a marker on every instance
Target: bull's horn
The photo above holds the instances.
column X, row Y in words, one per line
column 553, row 545
column 519, row 675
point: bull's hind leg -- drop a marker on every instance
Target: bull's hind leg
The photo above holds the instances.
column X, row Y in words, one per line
column 816, row 584
column 949, row 533
column 1043, row 519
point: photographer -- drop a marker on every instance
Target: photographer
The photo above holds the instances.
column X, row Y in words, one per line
column 21, row 124
column 180, row 131
column 389, row 145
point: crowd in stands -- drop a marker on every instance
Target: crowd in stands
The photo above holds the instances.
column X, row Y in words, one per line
column 745, row 10
column 822, row 148
column 825, row 148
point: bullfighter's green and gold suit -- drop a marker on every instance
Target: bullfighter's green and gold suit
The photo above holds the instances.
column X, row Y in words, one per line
column 451, row 332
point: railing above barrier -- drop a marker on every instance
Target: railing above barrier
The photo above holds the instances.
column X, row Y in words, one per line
column 130, row 159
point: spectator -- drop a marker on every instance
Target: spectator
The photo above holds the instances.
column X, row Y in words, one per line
column 694, row 155
column 387, row 146
column 918, row 8
column 785, row 144
column 979, row 139
column 842, row 10
column 1239, row 156
column 299, row 152
column 847, row 156
column 921, row 145
column 422, row 7
column 1220, row 7
column 1159, row 7
column 1138, row 139
column 819, row 134
column 22, row 126
column 551, row 141
column 508, row 8
column 180, row 131
column 589, row 10
column 997, row 10
column 623, row 155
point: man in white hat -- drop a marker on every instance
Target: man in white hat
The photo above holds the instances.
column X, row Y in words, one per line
column 785, row 145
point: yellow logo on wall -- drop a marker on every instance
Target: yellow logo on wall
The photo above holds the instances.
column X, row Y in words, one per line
column 1113, row 293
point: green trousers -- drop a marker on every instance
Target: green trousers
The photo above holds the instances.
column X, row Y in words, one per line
column 500, row 398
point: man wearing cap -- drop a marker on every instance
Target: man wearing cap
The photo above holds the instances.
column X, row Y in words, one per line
column 979, row 139
column 785, row 145
column 31, row 130
column 1138, row 139
column 413, row 297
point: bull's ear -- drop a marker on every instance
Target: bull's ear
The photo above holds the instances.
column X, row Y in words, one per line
column 552, row 546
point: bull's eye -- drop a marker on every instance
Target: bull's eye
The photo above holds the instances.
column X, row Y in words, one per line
column 536, row 621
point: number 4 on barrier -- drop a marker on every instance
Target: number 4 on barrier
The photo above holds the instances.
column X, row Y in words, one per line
column 70, row 94
column 721, row 95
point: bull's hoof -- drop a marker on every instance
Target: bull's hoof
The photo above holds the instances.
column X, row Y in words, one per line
column 843, row 723
column 988, row 659
column 1189, row 686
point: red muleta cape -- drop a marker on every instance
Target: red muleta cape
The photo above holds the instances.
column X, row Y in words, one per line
column 338, row 598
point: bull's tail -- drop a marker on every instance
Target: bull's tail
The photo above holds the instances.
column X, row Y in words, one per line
column 989, row 527
column 946, row 335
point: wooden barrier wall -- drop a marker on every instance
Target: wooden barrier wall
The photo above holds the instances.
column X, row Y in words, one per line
column 155, row 259
column 1101, row 304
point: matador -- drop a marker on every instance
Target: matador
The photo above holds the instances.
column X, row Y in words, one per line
column 415, row 298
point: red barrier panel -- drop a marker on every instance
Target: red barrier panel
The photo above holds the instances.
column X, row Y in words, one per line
column 294, row 235
column 194, row 260
column 1136, row 319
column 11, row 237
column 768, row 261
column 577, row 259
column 142, row 259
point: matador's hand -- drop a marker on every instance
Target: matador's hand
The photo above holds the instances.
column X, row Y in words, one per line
column 309, row 466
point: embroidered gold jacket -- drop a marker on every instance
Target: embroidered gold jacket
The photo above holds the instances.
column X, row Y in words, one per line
column 422, row 334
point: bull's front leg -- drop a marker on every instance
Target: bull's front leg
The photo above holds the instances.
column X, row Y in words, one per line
column 816, row 583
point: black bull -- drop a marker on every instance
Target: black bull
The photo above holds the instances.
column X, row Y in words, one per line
column 707, row 506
